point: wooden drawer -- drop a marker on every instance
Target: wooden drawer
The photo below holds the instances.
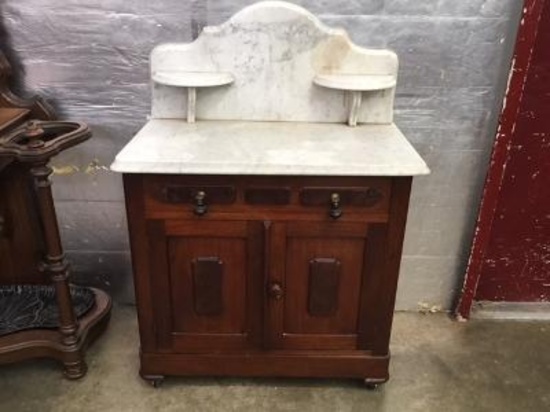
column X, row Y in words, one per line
column 267, row 197
column 270, row 196
column 348, row 196
column 187, row 194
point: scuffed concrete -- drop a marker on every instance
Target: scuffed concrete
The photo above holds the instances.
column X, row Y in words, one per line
column 437, row 365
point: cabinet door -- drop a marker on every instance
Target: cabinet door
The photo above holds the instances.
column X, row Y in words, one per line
column 207, row 285
column 314, row 286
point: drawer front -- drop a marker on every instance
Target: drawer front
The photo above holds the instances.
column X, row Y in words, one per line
column 267, row 197
column 178, row 194
column 348, row 196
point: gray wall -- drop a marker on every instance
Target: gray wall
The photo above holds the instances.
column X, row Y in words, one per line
column 90, row 59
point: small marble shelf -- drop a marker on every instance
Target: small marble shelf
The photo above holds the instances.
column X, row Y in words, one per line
column 355, row 85
column 192, row 81
column 355, row 82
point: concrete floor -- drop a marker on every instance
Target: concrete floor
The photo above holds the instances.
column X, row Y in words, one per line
column 437, row 365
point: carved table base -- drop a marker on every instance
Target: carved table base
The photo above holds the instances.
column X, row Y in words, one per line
column 47, row 343
column 24, row 307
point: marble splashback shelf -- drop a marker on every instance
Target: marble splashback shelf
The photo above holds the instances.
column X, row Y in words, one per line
column 355, row 85
column 355, row 82
column 191, row 81
column 303, row 71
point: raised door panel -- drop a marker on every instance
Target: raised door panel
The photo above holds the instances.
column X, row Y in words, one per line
column 211, row 286
column 318, row 268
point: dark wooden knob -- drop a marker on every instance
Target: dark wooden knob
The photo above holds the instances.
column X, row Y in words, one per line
column 200, row 204
column 335, row 209
column 275, row 291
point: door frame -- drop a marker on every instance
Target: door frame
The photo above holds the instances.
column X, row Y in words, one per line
column 521, row 62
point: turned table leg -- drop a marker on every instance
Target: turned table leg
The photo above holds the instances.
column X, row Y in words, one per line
column 58, row 268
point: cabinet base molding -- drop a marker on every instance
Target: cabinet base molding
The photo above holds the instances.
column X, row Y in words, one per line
column 372, row 369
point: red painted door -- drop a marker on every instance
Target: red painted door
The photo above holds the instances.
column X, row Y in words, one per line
column 510, row 258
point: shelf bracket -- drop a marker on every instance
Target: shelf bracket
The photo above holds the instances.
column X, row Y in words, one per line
column 356, row 98
column 191, row 104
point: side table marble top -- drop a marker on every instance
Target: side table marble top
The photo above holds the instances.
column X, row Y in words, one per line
column 257, row 148
column 272, row 91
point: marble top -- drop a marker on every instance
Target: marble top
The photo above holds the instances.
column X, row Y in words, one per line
column 269, row 148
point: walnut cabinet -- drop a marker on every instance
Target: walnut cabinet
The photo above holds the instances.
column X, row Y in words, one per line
column 283, row 276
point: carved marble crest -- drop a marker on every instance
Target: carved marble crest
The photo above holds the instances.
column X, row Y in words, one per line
column 273, row 61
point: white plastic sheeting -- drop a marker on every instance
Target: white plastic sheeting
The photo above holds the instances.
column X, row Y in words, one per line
column 90, row 58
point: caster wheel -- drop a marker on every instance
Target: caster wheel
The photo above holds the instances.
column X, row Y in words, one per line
column 154, row 381
column 373, row 385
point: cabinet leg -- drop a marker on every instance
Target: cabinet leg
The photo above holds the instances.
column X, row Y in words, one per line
column 154, row 380
column 75, row 370
column 373, row 384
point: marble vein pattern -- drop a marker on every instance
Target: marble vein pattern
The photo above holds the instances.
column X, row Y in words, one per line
column 274, row 118
column 274, row 50
column 262, row 148
column 24, row 307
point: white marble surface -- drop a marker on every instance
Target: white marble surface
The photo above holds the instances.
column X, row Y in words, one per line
column 193, row 79
column 355, row 82
column 284, row 113
column 274, row 50
column 269, row 148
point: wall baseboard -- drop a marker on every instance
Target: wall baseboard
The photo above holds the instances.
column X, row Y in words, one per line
column 523, row 311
